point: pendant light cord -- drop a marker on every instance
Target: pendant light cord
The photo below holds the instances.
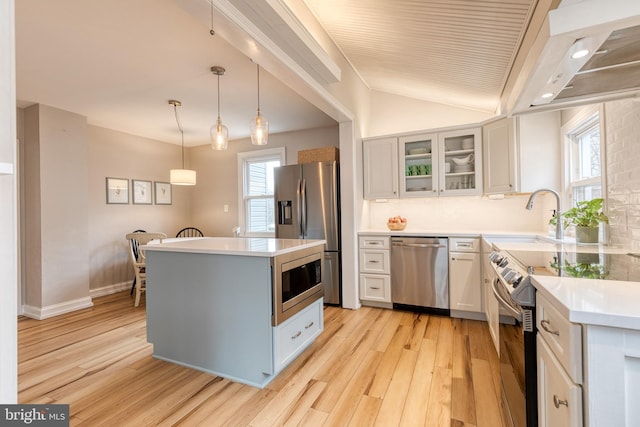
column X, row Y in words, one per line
column 211, row 31
column 175, row 110
column 258, row 88
column 218, row 98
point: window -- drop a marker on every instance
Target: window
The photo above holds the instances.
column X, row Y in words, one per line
column 583, row 162
column 255, row 170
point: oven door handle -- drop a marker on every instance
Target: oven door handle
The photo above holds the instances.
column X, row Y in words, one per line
column 514, row 311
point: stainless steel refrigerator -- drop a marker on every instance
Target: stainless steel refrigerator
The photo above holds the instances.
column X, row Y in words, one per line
column 307, row 206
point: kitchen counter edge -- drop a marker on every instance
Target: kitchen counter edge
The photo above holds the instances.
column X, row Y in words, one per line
column 238, row 246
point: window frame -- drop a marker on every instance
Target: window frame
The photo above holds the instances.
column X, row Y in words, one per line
column 581, row 122
column 244, row 158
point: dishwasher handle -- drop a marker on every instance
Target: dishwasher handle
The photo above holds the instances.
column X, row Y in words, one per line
column 418, row 245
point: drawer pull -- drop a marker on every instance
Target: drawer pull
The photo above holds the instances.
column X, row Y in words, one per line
column 557, row 402
column 309, row 325
column 375, row 288
column 374, row 261
column 545, row 325
column 296, row 335
column 374, row 243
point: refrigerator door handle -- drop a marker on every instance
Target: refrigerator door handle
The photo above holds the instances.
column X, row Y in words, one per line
column 303, row 208
column 299, row 210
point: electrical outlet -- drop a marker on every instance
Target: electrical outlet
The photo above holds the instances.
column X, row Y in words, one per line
column 225, row 208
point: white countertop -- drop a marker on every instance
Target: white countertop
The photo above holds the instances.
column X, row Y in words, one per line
column 240, row 246
column 593, row 302
column 609, row 303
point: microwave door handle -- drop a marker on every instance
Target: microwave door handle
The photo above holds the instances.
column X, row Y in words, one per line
column 510, row 308
column 303, row 224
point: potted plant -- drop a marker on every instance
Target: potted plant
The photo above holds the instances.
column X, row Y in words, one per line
column 586, row 216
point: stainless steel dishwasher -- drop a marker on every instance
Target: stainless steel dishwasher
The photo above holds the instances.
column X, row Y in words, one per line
column 420, row 274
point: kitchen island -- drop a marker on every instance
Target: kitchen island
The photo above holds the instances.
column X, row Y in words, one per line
column 215, row 304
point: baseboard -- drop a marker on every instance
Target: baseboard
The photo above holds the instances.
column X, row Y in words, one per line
column 110, row 289
column 41, row 313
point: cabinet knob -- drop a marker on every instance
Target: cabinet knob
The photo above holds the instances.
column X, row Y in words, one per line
column 557, row 402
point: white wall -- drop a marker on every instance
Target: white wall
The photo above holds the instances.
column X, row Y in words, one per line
column 120, row 155
column 398, row 114
column 217, row 172
column 460, row 214
column 8, row 206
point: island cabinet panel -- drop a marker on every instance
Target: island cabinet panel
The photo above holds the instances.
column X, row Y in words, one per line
column 212, row 313
column 294, row 334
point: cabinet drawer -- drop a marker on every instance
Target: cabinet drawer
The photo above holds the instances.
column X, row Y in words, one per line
column 464, row 244
column 373, row 242
column 374, row 261
column 375, row 287
column 563, row 337
column 559, row 398
column 293, row 336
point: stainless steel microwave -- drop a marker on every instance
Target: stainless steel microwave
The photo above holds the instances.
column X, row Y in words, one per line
column 297, row 281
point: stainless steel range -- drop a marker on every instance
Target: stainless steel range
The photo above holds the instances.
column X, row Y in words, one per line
column 518, row 370
column 515, row 292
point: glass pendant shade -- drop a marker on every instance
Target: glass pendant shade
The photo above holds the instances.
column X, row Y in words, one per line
column 182, row 177
column 259, row 130
column 259, row 125
column 219, row 136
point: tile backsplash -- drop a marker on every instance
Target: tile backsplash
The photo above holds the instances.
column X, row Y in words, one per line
column 622, row 136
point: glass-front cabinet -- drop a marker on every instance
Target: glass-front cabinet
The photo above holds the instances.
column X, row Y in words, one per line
column 418, row 158
column 460, row 162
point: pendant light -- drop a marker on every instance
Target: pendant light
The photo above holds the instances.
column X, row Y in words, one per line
column 219, row 132
column 259, row 125
column 181, row 176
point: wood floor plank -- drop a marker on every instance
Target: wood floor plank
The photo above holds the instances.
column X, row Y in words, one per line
column 369, row 366
column 414, row 412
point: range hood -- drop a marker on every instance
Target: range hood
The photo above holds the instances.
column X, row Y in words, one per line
column 586, row 51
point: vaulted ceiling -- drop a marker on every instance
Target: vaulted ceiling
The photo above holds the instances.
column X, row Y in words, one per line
column 118, row 62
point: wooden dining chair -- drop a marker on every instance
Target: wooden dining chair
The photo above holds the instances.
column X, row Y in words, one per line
column 190, row 232
column 136, row 255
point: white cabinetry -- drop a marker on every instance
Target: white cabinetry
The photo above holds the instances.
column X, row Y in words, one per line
column 460, row 162
column 418, row 167
column 465, row 279
column 296, row 333
column 522, row 154
column 559, row 350
column 380, row 158
column 491, row 305
column 424, row 165
column 375, row 271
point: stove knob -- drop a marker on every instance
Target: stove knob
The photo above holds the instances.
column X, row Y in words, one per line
column 494, row 256
column 503, row 262
column 517, row 279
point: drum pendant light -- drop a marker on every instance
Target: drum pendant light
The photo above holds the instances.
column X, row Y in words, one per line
column 181, row 176
column 219, row 132
column 259, row 125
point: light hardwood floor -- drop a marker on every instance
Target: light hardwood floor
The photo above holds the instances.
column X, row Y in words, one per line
column 370, row 367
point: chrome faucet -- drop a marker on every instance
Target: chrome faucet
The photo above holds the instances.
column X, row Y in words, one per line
column 559, row 227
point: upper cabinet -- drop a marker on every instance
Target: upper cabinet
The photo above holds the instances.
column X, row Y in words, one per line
column 460, row 162
column 380, row 157
column 418, row 167
column 424, row 165
column 522, row 154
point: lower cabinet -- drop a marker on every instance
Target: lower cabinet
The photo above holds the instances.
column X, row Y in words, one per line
column 559, row 398
column 465, row 278
column 375, row 271
column 295, row 334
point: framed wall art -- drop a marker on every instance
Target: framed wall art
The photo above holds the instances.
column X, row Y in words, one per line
column 117, row 191
column 163, row 193
column 141, row 192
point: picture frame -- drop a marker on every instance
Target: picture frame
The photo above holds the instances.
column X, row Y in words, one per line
column 141, row 192
column 117, row 190
column 163, row 193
